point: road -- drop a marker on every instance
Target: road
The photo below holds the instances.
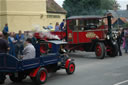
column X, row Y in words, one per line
column 89, row 71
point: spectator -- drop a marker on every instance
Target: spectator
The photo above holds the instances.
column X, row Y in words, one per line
column 123, row 38
column 57, row 27
column 3, row 49
column 20, row 43
column 62, row 25
column 5, row 31
column 12, row 42
column 50, row 27
column 126, row 39
column 119, row 42
column 29, row 51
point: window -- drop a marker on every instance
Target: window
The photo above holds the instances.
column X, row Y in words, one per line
column 85, row 24
column 53, row 16
column 88, row 24
column 72, row 25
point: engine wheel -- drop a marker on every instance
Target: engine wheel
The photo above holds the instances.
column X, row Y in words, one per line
column 17, row 78
column 41, row 76
column 71, row 68
column 113, row 50
column 100, row 50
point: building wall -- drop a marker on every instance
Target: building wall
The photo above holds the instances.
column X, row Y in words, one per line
column 3, row 18
column 24, row 23
column 54, row 17
column 25, row 14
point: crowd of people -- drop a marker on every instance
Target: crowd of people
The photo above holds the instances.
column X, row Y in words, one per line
column 58, row 27
column 122, row 40
column 17, row 45
column 16, row 42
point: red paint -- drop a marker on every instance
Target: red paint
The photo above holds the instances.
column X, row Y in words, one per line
column 67, row 63
column 43, row 49
column 61, row 35
column 34, row 72
column 71, row 68
column 43, row 76
column 98, row 50
column 50, row 45
column 75, row 38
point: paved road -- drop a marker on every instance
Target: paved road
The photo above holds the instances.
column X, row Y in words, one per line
column 89, row 71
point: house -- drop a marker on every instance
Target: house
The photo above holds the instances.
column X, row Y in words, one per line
column 117, row 22
column 119, row 17
column 25, row 14
column 119, row 13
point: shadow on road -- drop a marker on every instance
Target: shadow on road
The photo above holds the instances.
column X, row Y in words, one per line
column 51, row 77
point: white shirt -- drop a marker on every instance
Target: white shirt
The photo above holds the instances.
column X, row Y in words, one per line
column 29, row 52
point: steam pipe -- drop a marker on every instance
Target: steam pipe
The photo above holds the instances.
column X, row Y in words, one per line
column 109, row 16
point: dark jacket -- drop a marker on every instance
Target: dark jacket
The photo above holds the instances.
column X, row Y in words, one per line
column 3, row 45
column 119, row 40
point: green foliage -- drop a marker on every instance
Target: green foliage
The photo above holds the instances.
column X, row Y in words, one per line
column 87, row 7
column 125, row 25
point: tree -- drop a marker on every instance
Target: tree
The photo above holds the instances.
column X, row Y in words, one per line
column 87, row 7
column 125, row 25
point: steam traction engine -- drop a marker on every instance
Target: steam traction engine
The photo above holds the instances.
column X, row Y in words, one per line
column 89, row 33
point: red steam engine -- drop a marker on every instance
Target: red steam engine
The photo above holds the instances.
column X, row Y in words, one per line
column 89, row 33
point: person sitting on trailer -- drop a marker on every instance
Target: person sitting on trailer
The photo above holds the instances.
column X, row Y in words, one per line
column 12, row 43
column 29, row 51
column 62, row 49
column 34, row 40
column 19, row 44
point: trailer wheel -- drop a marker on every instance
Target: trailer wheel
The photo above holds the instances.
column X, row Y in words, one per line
column 71, row 68
column 100, row 50
column 113, row 51
column 17, row 78
column 41, row 76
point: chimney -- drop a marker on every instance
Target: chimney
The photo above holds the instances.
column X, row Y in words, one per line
column 127, row 7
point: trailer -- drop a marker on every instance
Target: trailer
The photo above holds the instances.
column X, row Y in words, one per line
column 39, row 67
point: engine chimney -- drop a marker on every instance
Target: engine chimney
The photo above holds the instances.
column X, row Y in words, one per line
column 127, row 7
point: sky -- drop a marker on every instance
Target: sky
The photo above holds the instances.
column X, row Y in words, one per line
column 122, row 3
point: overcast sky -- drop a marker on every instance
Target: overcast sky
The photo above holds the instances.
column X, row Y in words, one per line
column 122, row 3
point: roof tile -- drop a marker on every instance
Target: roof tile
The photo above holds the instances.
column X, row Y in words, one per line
column 53, row 7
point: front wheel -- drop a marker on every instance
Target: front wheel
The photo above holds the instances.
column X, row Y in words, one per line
column 100, row 50
column 71, row 68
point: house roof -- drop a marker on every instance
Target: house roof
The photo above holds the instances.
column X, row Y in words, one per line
column 86, row 17
column 115, row 19
column 53, row 7
column 119, row 13
column 123, row 19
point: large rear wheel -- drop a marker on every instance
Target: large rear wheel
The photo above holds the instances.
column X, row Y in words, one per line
column 41, row 77
column 113, row 52
column 17, row 77
column 100, row 50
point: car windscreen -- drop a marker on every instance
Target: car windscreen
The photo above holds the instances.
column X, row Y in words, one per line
column 85, row 24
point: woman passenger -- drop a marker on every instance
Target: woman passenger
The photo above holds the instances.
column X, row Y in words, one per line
column 57, row 27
